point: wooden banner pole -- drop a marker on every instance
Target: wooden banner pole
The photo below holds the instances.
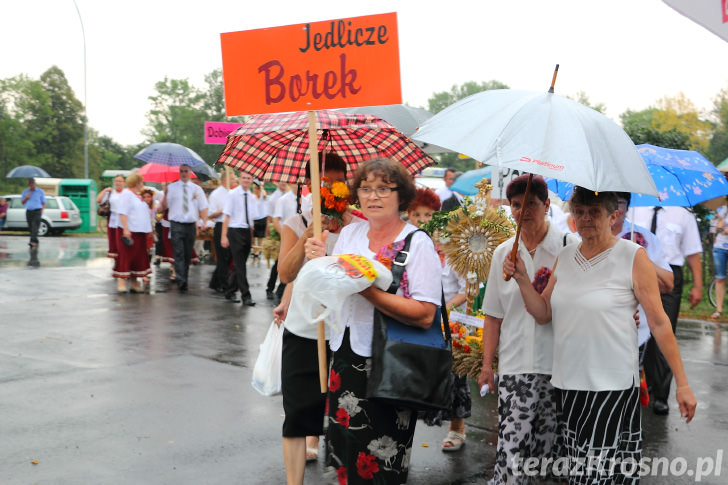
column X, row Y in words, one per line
column 313, row 166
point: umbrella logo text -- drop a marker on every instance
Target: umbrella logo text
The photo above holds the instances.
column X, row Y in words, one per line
column 543, row 163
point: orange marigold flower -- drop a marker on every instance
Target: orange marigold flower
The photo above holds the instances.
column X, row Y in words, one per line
column 340, row 190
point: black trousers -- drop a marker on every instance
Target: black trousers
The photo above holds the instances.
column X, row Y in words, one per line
column 220, row 276
column 32, row 217
column 657, row 372
column 272, row 278
column 159, row 245
column 183, row 242
column 240, row 242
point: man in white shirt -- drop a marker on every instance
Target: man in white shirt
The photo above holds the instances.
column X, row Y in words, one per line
column 282, row 190
column 677, row 229
column 241, row 209
column 221, row 275
column 445, row 193
column 187, row 204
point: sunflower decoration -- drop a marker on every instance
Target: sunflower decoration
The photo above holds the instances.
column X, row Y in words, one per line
column 472, row 233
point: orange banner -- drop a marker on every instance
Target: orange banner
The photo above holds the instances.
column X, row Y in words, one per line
column 321, row 65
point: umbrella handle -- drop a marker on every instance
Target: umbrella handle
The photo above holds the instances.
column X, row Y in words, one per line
column 514, row 251
column 553, row 80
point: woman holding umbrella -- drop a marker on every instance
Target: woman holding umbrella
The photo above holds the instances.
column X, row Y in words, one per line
column 590, row 299
column 368, row 439
column 527, row 417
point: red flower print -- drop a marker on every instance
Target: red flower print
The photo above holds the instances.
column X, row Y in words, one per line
column 334, row 381
column 342, row 417
column 326, row 406
column 341, row 475
column 366, row 465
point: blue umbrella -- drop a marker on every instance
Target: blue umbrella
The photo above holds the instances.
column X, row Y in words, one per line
column 465, row 183
column 683, row 178
column 27, row 171
column 170, row 154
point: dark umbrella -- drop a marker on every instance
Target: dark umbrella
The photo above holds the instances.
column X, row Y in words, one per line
column 405, row 118
column 172, row 154
column 27, row 171
column 205, row 172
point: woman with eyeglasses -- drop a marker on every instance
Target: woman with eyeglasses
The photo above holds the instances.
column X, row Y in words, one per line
column 367, row 440
column 590, row 300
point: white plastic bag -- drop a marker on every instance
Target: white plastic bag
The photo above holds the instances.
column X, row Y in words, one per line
column 323, row 284
column 267, row 370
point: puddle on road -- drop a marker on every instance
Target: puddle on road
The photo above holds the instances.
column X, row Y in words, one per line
column 53, row 252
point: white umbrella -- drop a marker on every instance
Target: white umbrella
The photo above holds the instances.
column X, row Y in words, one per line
column 711, row 14
column 541, row 133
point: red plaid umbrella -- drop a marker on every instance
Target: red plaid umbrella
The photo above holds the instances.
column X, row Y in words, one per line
column 274, row 147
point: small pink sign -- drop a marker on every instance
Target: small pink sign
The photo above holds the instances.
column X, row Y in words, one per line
column 216, row 132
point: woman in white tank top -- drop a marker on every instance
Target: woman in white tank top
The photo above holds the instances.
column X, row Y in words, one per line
column 590, row 300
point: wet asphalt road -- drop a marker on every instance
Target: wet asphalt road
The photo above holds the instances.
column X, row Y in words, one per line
column 102, row 388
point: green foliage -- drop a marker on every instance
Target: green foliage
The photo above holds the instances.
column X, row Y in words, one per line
column 639, row 125
column 443, row 99
column 180, row 110
column 718, row 146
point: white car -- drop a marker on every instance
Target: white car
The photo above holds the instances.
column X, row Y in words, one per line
column 60, row 213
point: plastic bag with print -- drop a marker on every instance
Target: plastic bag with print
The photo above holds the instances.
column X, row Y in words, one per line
column 323, row 283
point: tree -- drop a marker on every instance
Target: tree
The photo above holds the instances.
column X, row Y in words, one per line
column 179, row 111
column 640, row 127
column 718, row 146
column 673, row 123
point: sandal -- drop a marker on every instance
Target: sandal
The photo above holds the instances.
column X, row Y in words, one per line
column 311, row 454
column 455, row 440
column 715, row 315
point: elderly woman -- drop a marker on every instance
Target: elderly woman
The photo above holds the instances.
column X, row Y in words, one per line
column 113, row 231
column 369, row 440
column 135, row 224
column 590, row 299
column 420, row 212
column 527, row 417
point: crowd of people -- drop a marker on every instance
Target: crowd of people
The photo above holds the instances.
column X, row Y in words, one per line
column 569, row 350
column 148, row 225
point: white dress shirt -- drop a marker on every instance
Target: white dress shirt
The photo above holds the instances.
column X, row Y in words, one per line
column 196, row 201
column 235, row 208
column 524, row 346
column 285, row 207
column 217, row 202
column 677, row 229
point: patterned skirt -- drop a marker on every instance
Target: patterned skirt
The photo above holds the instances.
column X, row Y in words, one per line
column 367, row 441
column 602, row 435
column 114, row 236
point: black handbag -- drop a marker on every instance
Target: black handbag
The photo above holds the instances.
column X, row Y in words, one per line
column 104, row 209
column 411, row 365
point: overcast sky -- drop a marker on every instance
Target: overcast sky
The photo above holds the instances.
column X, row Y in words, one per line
column 626, row 54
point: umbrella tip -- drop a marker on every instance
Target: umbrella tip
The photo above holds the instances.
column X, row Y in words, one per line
column 553, row 80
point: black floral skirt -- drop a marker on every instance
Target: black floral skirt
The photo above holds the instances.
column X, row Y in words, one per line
column 367, row 441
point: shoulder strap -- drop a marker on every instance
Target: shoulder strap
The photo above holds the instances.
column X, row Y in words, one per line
column 400, row 261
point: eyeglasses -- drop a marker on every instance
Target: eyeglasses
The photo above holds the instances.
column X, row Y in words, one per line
column 382, row 192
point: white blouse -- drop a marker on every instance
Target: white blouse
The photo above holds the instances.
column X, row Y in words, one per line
column 524, row 347
column 592, row 305
column 423, row 271
column 114, row 220
column 136, row 211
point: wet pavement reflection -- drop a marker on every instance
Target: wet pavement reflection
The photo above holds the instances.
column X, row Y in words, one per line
column 101, row 387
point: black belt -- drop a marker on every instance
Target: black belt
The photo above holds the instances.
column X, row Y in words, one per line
column 183, row 223
column 33, row 210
